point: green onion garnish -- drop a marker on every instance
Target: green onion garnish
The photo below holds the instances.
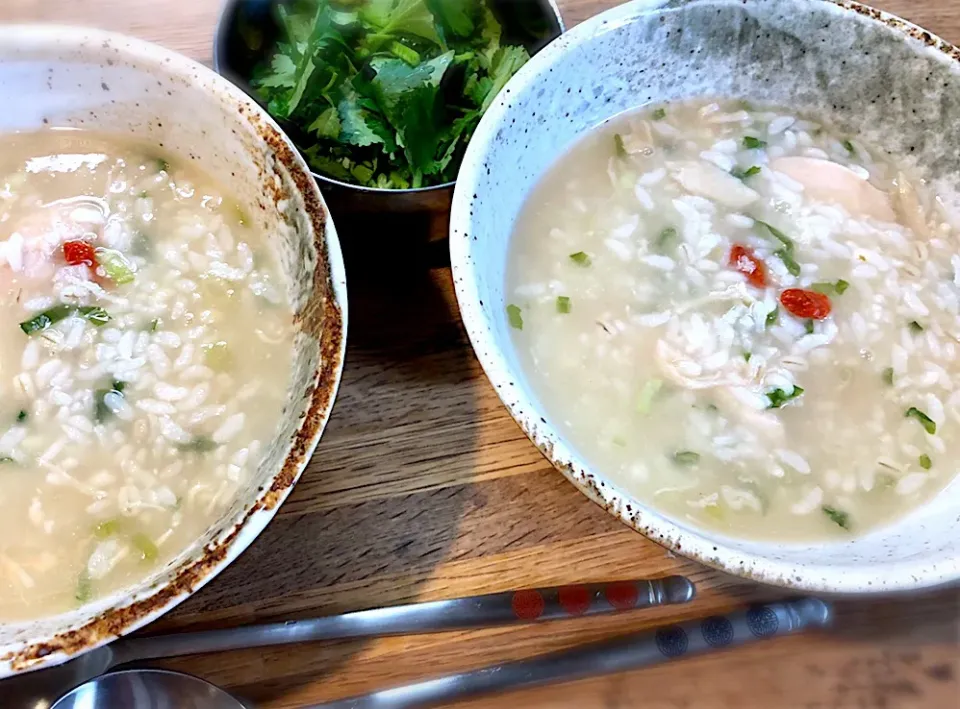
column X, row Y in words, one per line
column 666, row 235
column 928, row 424
column 778, row 397
column 647, row 395
column 742, row 174
column 619, row 148
column 146, row 547
column 199, row 444
column 514, row 317
column 83, row 591
column 925, row 462
column 808, row 327
column 563, row 304
column 915, row 326
column 116, row 267
column 22, row 416
column 107, row 528
column 772, row 317
column 848, row 146
column 751, row 143
column 40, row 322
column 888, row 376
column 659, row 114
column 686, row 457
column 838, row 517
column 580, row 258
column 841, row 286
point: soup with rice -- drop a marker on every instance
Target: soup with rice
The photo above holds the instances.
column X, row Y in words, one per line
column 145, row 356
column 744, row 319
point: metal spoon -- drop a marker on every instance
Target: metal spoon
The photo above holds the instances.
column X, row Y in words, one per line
column 39, row 689
column 159, row 689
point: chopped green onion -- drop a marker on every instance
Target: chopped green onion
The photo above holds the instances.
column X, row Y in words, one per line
column 778, row 235
column 742, row 174
column 154, row 324
column 83, row 591
column 747, row 356
column 6, row 459
column 143, row 194
column 199, row 444
column 95, row 315
column 686, row 457
column 808, row 327
column 778, row 397
column 116, row 267
column 751, row 143
column 563, row 304
column 650, row 390
column 825, row 288
column 772, row 316
column 161, row 165
column 659, row 114
column 514, row 317
column 22, row 416
column 838, row 517
column 580, row 258
column 915, row 326
column 793, row 268
column 619, row 148
column 146, row 547
column 666, row 235
column 925, row 462
column 107, row 528
column 928, row 424
column 40, row 322
column 848, row 146
column 841, row 286
column 888, row 376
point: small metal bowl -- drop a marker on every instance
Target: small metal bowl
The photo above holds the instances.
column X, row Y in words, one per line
column 247, row 30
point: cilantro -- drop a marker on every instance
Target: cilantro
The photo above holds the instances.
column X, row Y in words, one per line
column 385, row 93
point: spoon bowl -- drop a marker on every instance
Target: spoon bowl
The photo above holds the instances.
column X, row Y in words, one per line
column 147, row 689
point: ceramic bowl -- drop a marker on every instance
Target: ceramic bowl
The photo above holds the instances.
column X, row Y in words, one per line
column 79, row 78
column 248, row 29
column 871, row 73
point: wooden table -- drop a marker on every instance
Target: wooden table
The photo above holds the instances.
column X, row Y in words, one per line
column 424, row 488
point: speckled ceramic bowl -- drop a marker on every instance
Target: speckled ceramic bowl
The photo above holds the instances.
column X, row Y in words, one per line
column 69, row 77
column 872, row 74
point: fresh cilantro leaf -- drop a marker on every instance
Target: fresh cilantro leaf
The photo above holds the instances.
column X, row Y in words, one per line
column 327, row 124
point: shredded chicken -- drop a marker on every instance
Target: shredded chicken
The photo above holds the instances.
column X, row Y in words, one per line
column 827, row 181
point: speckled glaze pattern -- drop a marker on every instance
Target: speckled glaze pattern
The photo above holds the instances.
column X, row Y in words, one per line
column 79, row 78
column 870, row 73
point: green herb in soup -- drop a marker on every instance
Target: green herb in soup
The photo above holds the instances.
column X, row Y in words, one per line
column 386, row 93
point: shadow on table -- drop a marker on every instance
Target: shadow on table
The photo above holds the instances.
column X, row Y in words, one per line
column 372, row 515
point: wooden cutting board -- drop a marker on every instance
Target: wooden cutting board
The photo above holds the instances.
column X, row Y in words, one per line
column 424, row 488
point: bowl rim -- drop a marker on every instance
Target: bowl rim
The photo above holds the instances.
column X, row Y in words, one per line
column 219, row 42
column 695, row 543
column 82, row 631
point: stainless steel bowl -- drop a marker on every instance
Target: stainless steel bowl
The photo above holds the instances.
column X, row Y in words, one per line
column 247, row 30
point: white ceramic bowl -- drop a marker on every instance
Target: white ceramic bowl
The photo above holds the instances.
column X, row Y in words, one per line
column 872, row 73
column 71, row 77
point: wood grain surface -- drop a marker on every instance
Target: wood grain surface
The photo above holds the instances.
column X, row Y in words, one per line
column 424, row 488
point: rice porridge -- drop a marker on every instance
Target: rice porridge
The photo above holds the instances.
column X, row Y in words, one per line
column 743, row 318
column 144, row 362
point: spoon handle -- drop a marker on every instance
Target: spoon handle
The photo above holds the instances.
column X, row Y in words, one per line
column 627, row 652
column 509, row 607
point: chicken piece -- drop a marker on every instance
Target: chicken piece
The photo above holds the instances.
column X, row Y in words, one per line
column 827, row 181
column 707, row 180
